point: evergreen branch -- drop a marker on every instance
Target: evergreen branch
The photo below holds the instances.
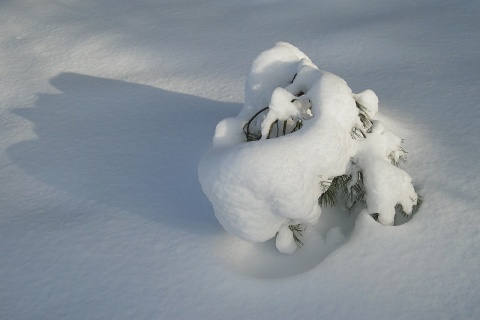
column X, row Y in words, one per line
column 364, row 117
column 358, row 134
column 253, row 136
column 415, row 208
column 357, row 194
column 271, row 129
column 298, row 126
column 293, row 78
column 338, row 188
column 401, row 158
column 297, row 232
column 338, row 184
column 256, row 135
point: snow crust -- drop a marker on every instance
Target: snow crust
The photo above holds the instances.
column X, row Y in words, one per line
column 259, row 188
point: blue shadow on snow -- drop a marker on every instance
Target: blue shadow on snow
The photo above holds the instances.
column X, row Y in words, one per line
column 125, row 145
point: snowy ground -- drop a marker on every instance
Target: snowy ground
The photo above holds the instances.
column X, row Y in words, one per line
column 107, row 106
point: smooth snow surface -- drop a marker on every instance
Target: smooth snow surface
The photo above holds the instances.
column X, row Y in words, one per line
column 107, row 107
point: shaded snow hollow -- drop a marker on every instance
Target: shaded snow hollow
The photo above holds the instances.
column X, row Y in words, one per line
column 260, row 188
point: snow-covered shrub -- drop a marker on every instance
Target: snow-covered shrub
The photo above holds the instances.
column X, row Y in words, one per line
column 301, row 137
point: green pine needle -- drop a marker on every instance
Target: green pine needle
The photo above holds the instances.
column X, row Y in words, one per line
column 338, row 186
column 339, row 189
column 297, row 233
column 406, row 216
column 402, row 159
column 364, row 117
column 255, row 135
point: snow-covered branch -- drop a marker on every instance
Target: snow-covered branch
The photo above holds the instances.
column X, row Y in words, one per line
column 300, row 133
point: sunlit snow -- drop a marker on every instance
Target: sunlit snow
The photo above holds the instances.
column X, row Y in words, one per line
column 260, row 188
column 107, row 107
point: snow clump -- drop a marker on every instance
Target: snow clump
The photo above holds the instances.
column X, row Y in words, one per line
column 300, row 127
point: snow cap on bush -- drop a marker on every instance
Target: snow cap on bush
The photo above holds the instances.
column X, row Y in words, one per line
column 299, row 128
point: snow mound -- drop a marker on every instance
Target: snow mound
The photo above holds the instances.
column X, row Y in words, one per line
column 300, row 127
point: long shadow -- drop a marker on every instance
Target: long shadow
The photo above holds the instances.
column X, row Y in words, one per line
column 125, row 145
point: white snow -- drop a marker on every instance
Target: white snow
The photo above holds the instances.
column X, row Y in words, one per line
column 107, row 107
column 259, row 188
column 335, row 236
column 285, row 241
